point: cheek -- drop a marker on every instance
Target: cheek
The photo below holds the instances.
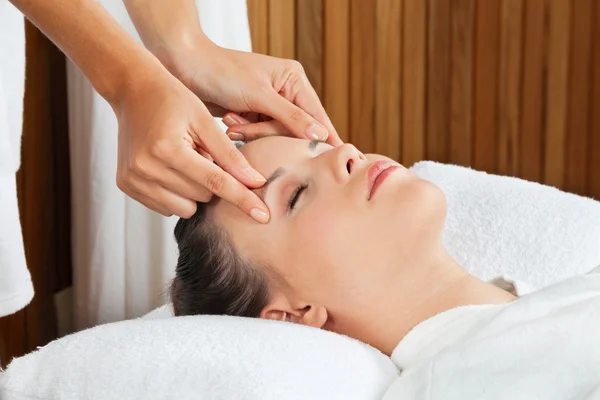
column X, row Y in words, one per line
column 328, row 244
column 335, row 247
column 340, row 241
column 321, row 229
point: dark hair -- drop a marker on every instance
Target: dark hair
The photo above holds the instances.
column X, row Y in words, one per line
column 211, row 276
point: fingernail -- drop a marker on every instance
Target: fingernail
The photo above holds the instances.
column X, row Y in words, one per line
column 228, row 120
column 235, row 136
column 253, row 174
column 316, row 131
column 259, row 215
column 239, row 119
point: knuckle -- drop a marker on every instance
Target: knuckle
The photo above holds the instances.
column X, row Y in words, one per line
column 140, row 166
column 243, row 203
column 252, row 101
column 215, row 182
column 295, row 66
column 235, row 156
column 255, row 98
column 125, row 182
column 162, row 150
column 298, row 115
column 293, row 85
column 121, row 184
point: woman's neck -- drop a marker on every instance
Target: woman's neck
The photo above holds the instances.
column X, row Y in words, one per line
column 417, row 294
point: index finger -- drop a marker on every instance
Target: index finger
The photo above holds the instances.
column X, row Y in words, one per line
column 228, row 156
column 309, row 101
column 221, row 183
column 302, row 113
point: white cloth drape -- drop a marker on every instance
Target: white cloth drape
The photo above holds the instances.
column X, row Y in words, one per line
column 123, row 254
column 16, row 289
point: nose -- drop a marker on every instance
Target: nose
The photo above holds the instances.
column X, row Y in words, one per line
column 345, row 161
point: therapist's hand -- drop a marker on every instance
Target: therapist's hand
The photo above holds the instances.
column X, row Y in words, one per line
column 167, row 141
column 229, row 80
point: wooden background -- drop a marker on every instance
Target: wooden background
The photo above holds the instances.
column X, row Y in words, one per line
column 505, row 86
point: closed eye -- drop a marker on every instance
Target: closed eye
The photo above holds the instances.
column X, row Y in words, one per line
column 296, row 196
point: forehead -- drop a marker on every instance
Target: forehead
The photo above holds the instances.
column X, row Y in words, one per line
column 265, row 155
column 268, row 154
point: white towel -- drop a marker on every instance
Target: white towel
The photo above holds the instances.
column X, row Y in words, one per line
column 500, row 225
column 16, row 289
column 201, row 357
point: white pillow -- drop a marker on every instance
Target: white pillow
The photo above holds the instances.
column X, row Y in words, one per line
column 499, row 225
column 200, row 357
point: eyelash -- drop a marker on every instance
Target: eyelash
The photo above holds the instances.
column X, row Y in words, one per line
column 296, row 195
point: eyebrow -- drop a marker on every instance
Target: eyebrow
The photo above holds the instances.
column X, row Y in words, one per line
column 312, row 145
column 263, row 190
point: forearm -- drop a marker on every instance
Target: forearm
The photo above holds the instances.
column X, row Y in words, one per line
column 93, row 40
column 167, row 27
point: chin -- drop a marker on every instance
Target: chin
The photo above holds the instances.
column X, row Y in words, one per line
column 435, row 202
column 416, row 209
column 412, row 192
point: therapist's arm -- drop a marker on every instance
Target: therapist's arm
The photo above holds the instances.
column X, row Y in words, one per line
column 90, row 37
column 166, row 26
column 228, row 80
column 164, row 129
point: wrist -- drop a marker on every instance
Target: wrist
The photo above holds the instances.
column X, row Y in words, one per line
column 167, row 30
column 131, row 76
column 173, row 50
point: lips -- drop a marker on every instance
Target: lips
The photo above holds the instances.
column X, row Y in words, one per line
column 377, row 173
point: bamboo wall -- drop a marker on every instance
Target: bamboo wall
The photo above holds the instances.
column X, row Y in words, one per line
column 505, row 86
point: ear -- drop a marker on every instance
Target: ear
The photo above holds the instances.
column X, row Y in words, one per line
column 314, row 316
column 280, row 309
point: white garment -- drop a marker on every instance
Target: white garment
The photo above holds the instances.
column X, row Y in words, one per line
column 16, row 289
column 542, row 346
column 123, row 253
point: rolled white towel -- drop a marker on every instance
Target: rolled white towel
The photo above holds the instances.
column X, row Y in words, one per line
column 498, row 225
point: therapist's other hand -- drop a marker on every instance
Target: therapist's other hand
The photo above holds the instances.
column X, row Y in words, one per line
column 229, row 80
column 167, row 141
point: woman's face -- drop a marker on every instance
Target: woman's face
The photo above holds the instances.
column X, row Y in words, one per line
column 332, row 240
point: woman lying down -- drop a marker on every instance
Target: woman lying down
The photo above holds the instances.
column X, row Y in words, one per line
column 354, row 246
